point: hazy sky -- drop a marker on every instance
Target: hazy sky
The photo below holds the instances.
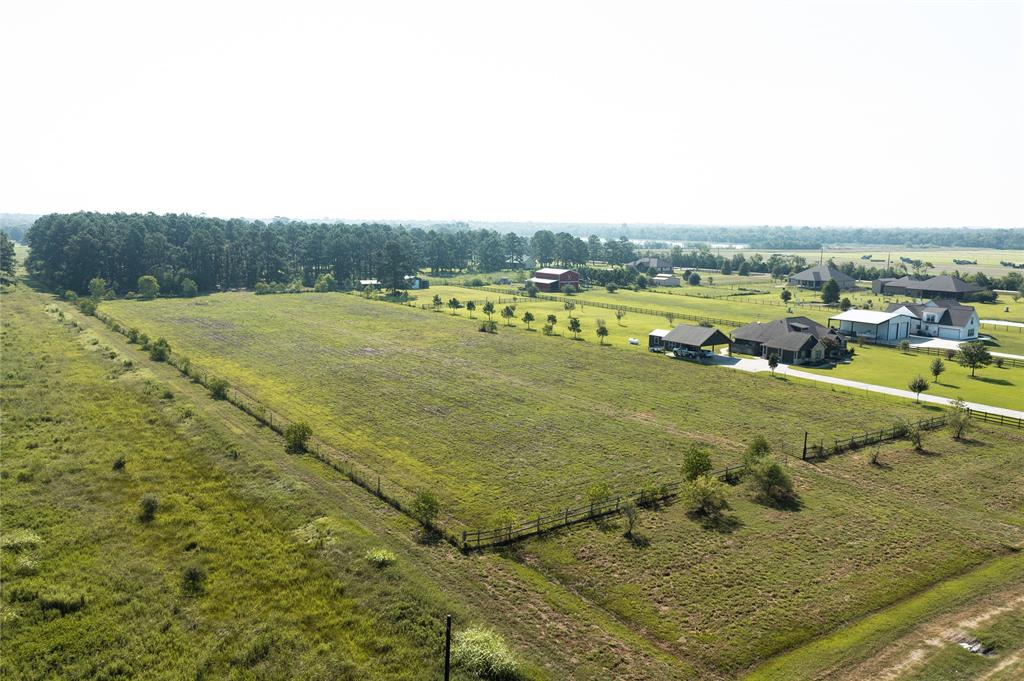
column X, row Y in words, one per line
column 842, row 113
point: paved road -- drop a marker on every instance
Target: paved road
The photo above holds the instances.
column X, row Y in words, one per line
column 755, row 365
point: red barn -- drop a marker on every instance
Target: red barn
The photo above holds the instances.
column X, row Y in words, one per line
column 549, row 279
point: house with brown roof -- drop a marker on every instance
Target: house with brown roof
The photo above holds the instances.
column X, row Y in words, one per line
column 794, row 340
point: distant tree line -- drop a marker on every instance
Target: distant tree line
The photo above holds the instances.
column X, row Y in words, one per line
column 69, row 250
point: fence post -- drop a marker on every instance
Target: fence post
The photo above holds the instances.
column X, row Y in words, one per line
column 804, row 455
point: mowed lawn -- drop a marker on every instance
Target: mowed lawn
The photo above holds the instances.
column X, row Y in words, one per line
column 998, row 387
column 495, row 424
column 765, row 579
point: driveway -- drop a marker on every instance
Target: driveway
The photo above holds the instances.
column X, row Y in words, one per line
column 756, row 365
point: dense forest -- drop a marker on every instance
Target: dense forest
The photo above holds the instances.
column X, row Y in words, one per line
column 68, row 250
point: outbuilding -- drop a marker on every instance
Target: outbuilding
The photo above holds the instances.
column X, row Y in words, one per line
column 687, row 337
column 551, row 279
column 665, row 280
column 881, row 327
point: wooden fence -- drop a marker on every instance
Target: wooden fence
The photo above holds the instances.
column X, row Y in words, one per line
column 945, row 353
column 1003, row 327
column 893, row 432
column 996, row 418
column 478, row 539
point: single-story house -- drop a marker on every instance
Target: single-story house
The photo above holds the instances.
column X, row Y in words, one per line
column 941, row 319
column 881, row 327
column 416, row 283
column 794, row 340
column 549, row 279
column 942, row 286
column 645, row 265
column 664, row 280
column 817, row 276
column 372, row 283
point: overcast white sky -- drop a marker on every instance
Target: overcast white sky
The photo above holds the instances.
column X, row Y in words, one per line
column 837, row 113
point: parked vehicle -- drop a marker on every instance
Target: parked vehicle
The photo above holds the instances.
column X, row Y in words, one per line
column 634, row 341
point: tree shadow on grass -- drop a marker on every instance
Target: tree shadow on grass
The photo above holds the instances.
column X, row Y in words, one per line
column 993, row 381
column 723, row 523
column 638, row 540
column 792, row 503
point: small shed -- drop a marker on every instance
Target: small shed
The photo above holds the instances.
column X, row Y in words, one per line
column 656, row 339
column 665, row 280
column 416, row 283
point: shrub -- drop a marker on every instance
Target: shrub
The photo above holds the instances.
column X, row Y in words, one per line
column 705, row 496
column 696, row 462
column 380, row 558
column 425, row 508
column 70, row 296
column 296, row 435
column 999, row 361
column 756, row 450
column 193, row 579
column 324, row 283
column 916, row 436
column 148, row 505
column 904, row 345
column 484, row 653
column 133, row 335
column 148, row 286
column 119, row 463
column 475, row 281
column 160, row 350
column 772, row 481
column 189, row 288
column 569, row 290
column 488, row 326
column 611, row 288
column 219, row 389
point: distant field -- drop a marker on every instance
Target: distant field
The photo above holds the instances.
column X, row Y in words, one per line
column 495, row 424
column 988, row 258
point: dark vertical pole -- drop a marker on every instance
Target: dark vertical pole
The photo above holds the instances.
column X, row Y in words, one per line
column 804, row 456
column 447, row 647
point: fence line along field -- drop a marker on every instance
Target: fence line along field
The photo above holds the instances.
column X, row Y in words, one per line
column 493, row 423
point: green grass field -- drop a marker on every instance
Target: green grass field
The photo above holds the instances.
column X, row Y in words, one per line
column 999, row 387
column 271, row 605
column 688, row 601
column 768, row 579
column 411, row 393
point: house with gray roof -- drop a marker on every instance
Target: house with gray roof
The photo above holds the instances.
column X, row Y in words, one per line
column 941, row 318
column 816, row 277
column 794, row 340
column 647, row 264
column 687, row 337
column 942, row 286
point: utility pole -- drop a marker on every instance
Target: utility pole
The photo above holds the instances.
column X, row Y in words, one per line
column 447, row 647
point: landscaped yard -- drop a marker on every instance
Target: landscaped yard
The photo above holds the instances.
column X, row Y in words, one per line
column 890, row 367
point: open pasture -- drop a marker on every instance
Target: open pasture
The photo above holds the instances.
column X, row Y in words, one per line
column 765, row 579
column 496, row 424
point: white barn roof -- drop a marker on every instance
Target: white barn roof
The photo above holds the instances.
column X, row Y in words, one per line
column 866, row 316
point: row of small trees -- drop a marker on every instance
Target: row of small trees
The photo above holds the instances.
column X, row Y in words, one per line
column 509, row 312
